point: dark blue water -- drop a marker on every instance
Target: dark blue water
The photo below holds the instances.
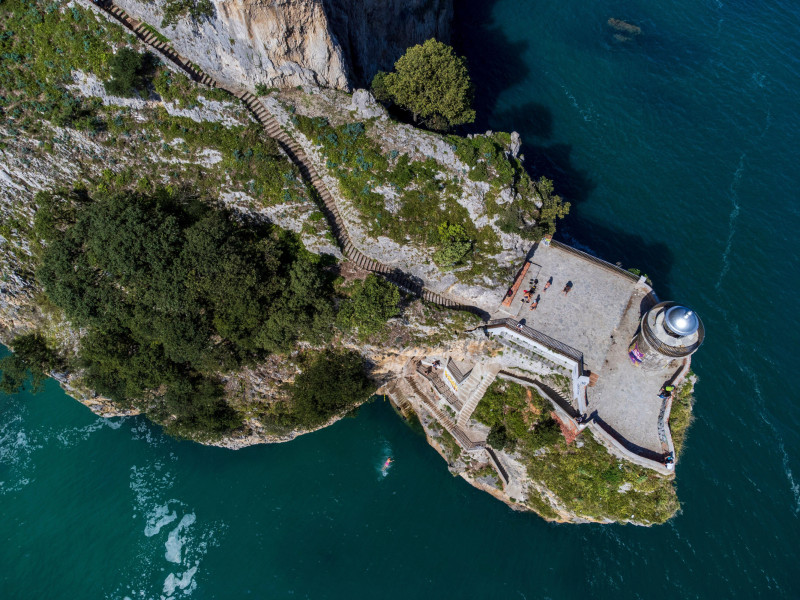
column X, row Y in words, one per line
column 677, row 151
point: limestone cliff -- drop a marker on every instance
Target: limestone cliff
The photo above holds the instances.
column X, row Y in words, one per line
column 285, row 43
column 279, row 43
column 375, row 33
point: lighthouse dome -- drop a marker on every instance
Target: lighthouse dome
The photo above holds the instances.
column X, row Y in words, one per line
column 681, row 321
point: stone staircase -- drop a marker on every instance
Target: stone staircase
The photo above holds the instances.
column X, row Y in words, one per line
column 295, row 153
column 461, row 437
column 488, row 375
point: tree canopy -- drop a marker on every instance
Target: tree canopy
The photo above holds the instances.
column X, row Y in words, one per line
column 431, row 82
column 31, row 359
column 129, row 71
column 331, row 383
column 371, row 303
column 173, row 291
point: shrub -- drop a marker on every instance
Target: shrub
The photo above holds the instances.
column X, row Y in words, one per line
column 454, row 245
column 371, row 304
column 176, row 9
column 331, row 383
column 431, row 82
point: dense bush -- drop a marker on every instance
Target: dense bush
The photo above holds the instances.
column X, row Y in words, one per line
column 31, row 359
column 129, row 72
column 372, row 302
column 332, row 382
column 431, row 82
column 513, row 421
column 173, row 291
column 454, row 246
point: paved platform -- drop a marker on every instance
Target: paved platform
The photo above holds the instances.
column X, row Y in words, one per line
column 626, row 396
column 584, row 318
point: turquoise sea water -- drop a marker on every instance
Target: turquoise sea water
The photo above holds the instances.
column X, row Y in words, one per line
column 678, row 153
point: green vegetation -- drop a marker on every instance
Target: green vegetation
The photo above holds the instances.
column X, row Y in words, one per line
column 517, row 416
column 333, row 382
column 263, row 90
column 172, row 292
column 175, row 87
column 431, row 82
column 449, row 445
column 426, row 202
column 536, row 206
column 680, row 416
column 454, row 246
column 129, row 72
column 177, row 9
column 588, row 480
column 31, row 359
column 372, row 302
column 40, row 44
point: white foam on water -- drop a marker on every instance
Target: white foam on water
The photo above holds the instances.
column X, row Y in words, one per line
column 176, row 540
column 737, row 177
column 159, row 517
column 142, row 430
column 787, row 471
column 17, row 447
column 587, row 114
column 184, row 581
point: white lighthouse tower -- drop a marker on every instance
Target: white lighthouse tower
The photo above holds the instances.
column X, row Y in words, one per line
column 668, row 331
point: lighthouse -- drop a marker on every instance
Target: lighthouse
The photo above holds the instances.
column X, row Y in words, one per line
column 667, row 331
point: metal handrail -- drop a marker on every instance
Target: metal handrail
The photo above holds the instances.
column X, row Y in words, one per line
column 541, row 338
column 598, row 261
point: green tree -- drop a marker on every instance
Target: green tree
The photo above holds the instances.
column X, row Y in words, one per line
column 173, row 291
column 32, row 358
column 431, row 82
column 371, row 304
column 129, row 71
column 331, row 383
column 454, row 245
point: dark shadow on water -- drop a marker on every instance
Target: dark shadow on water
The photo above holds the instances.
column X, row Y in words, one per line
column 534, row 118
column 495, row 62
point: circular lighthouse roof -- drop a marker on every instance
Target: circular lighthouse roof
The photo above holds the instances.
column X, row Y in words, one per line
column 681, row 321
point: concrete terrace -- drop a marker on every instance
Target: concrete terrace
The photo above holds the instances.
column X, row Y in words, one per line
column 586, row 317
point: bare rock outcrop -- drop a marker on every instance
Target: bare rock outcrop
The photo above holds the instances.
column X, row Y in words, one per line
column 279, row 43
column 375, row 33
column 285, row 43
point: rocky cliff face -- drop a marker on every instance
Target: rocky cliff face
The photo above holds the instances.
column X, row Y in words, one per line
column 375, row 33
column 285, row 43
column 280, row 43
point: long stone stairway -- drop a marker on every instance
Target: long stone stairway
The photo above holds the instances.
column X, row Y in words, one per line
column 489, row 374
column 295, row 153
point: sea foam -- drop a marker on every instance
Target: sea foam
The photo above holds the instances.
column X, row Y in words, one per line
column 175, row 541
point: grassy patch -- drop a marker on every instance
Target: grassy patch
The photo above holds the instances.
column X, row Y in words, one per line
column 588, row 480
column 680, row 416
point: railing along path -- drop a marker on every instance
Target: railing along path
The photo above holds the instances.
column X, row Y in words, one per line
column 297, row 156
